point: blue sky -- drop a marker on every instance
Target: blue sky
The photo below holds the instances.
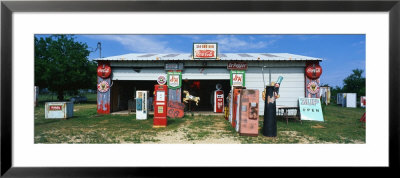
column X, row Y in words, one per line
column 340, row 53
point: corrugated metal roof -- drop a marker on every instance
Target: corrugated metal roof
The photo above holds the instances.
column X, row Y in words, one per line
column 222, row 56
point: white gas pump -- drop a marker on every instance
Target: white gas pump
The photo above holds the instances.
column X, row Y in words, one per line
column 141, row 104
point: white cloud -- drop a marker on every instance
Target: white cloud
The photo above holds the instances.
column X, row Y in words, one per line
column 139, row 43
column 230, row 43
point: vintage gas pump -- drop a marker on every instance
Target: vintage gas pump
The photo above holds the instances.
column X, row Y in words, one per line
column 218, row 99
column 141, row 104
column 237, row 90
column 160, row 105
column 249, row 116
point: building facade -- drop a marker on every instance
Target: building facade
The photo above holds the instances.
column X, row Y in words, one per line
column 120, row 76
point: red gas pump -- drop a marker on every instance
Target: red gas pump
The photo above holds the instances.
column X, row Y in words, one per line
column 235, row 106
column 160, row 105
column 218, row 101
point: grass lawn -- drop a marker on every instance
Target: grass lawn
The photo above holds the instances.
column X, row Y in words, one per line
column 341, row 125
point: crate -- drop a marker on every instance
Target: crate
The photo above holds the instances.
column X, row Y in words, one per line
column 59, row 110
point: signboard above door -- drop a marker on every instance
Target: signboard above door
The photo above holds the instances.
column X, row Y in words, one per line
column 237, row 66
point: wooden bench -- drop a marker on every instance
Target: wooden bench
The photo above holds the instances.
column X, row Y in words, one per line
column 284, row 112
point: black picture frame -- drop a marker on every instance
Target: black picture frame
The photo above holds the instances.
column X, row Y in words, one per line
column 8, row 7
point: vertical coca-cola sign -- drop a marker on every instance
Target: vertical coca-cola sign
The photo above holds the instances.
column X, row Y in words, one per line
column 205, row 50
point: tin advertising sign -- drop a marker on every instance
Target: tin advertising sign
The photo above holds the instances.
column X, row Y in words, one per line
column 204, row 50
column 310, row 109
column 174, row 79
column 237, row 78
column 161, row 80
column 237, row 66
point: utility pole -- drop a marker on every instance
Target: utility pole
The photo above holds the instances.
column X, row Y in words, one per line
column 99, row 47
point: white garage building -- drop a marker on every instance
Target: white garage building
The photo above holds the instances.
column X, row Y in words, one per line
column 136, row 71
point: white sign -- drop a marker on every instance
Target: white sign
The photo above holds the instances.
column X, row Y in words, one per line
column 160, row 96
column 204, row 50
column 237, row 80
column 310, row 109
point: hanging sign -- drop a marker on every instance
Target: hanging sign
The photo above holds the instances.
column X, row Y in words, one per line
column 103, row 86
column 310, row 109
column 313, row 87
column 174, row 79
column 204, row 50
column 174, row 66
column 161, row 80
column 237, row 66
column 237, row 78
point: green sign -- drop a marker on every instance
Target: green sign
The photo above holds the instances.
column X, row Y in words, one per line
column 310, row 109
column 238, row 78
column 174, row 79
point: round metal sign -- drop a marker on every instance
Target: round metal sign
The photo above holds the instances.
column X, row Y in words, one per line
column 313, row 71
column 103, row 86
column 103, row 71
column 161, row 80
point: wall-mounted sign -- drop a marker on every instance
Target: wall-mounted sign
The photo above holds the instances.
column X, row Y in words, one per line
column 237, row 78
column 313, row 71
column 174, row 79
column 237, row 66
column 103, row 86
column 103, row 70
column 310, row 109
column 161, row 80
column 313, row 87
column 174, row 66
column 205, row 50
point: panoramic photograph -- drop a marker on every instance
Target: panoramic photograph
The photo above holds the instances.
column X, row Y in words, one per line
column 200, row 89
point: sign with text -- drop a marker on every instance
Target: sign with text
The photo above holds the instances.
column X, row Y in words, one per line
column 237, row 78
column 237, row 66
column 174, row 66
column 310, row 109
column 204, row 51
column 174, row 79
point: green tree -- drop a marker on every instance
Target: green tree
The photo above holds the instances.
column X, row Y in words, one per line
column 61, row 65
column 355, row 83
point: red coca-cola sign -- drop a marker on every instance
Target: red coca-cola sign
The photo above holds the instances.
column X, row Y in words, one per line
column 205, row 51
column 205, row 54
column 237, row 66
column 103, row 70
column 55, row 107
column 313, row 71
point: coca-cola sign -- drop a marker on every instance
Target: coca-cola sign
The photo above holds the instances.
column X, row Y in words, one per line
column 313, row 71
column 237, row 66
column 204, row 50
column 55, row 107
column 104, row 70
